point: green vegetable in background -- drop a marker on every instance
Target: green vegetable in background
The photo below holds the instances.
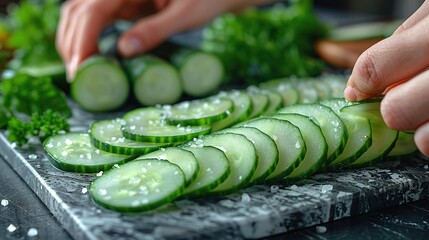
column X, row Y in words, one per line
column 40, row 125
column 259, row 45
column 32, row 25
column 25, row 94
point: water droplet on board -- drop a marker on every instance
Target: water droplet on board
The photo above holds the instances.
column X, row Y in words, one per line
column 32, row 232
column 32, row 156
column 11, row 228
column 4, row 202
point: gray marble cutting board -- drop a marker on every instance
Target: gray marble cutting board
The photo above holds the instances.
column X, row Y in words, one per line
column 254, row 212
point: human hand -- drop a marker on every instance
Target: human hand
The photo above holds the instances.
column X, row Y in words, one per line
column 83, row 20
column 398, row 68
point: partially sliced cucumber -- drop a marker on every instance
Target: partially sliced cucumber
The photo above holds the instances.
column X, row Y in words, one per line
column 100, row 85
column 138, row 186
column 266, row 150
column 106, row 135
column 214, row 169
column 383, row 138
column 201, row 72
column 182, row 158
column 285, row 88
column 359, row 132
column 404, row 146
column 199, row 112
column 241, row 154
column 73, row 152
column 289, row 141
column 242, row 108
column 315, row 142
column 154, row 81
column 332, row 126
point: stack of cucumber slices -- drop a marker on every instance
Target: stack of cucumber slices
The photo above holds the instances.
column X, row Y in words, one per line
column 279, row 132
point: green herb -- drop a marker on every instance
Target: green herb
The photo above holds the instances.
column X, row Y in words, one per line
column 40, row 125
column 259, row 44
column 25, row 94
column 32, row 25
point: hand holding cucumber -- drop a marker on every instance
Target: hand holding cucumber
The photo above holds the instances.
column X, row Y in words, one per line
column 397, row 67
column 82, row 21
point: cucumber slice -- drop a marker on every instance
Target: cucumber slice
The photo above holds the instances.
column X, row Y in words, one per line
column 289, row 141
column 201, row 72
column 404, row 146
column 337, row 83
column 199, row 112
column 148, row 125
column 383, row 138
column 285, row 88
column 308, row 93
column 275, row 102
column 138, row 186
column 260, row 101
column 100, row 85
column 214, row 169
column 315, row 142
column 73, row 152
column 241, row 156
column 359, row 132
column 182, row 158
column 266, row 150
column 154, row 80
column 242, row 109
column 332, row 126
column 106, row 135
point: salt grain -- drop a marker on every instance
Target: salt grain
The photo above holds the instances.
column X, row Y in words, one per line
column 274, row 188
column 327, row 188
column 4, row 202
column 321, row 229
column 426, row 167
column 32, row 156
column 99, row 174
column 11, row 228
column 32, row 232
column 245, row 198
column 84, row 190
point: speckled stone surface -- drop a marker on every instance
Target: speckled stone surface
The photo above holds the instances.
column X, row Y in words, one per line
column 254, row 212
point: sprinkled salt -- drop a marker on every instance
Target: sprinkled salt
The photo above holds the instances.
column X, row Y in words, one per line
column 99, row 174
column 426, row 167
column 4, row 202
column 327, row 188
column 84, row 190
column 13, row 145
column 68, row 141
column 245, row 197
column 11, row 228
column 321, row 229
column 134, row 180
column 297, row 145
column 116, row 166
column 102, row 191
column 32, row 232
column 49, row 145
column 32, row 156
column 274, row 188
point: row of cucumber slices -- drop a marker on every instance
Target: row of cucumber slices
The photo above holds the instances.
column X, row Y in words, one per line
column 220, row 144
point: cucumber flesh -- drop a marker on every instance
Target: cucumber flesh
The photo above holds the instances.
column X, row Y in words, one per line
column 73, row 152
column 383, row 138
column 359, row 132
column 405, row 145
column 241, row 154
column 275, row 102
column 214, row 169
column 266, row 150
column 332, row 126
column 138, row 186
column 289, row 142
column 315, row 142
column 182, row 158
column 100, row 85
column 199, row 112
column 260, row 103
column 242, row 109
column 106, row 135
column 201, row 73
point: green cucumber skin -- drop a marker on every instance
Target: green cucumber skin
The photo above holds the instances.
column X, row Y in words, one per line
column 177, row 139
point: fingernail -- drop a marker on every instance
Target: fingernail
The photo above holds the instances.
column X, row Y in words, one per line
column 72, row 68
column 131, row 46
column 350, row 94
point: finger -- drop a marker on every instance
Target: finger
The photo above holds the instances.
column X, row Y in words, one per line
column 417, row 16
column 421, row 138
column 67, row 10
column 177, row 16
column 405, row 107
column 394, row 59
